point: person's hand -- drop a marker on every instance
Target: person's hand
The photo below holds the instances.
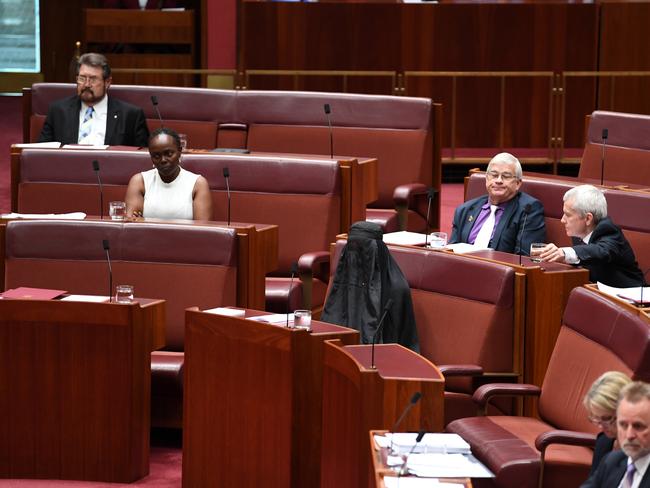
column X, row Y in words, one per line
column 552, row 254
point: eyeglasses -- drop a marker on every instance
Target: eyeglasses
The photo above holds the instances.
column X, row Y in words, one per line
column 91, row 80
column 493, row 175
column 604, row 421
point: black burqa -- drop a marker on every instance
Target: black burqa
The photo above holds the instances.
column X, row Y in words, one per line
column 366, row 277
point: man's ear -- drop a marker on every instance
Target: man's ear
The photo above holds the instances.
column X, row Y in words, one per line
column 589, row 219
column 108, row 81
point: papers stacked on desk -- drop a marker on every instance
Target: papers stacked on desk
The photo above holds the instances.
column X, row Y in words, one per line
column 632, row 295
column 433, row 465
column 402, row 443
column 65, row 216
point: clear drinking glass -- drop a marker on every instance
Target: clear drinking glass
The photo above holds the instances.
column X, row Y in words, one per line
column 124, row 293
column 302, row 319
column 117, row 210
column 437, row 240
column 535, row 251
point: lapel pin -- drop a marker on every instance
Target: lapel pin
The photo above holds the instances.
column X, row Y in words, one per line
column 115, row 116
column 470, row 218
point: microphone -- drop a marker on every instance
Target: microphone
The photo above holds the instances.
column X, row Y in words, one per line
column 389, row 304
column 107, row 248
column 430, row 193
column 643, row 286
column 526, row 211
column 403, row 471
column 294, row 272
column 328, row 111
column 414, row 399
column 226, row 175
column 602, row 158
column 101, row 189
column 154, row 101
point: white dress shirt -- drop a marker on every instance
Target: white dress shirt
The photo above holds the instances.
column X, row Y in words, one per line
column 641, row 465
column 570, row 256
column 97, row 133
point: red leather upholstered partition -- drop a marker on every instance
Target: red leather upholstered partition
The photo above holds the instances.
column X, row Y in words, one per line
column 185, row 265
column 402, row 133
column 465, row 313
column 629, row 209
column 627, row 151
column 598, row 335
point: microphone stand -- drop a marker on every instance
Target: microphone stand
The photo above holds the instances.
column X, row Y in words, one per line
column 387, row 307
column 101, row 189
column 602, row 158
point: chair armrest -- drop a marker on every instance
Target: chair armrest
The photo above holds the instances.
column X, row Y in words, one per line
column 411, row 196
column 484, row 393
column 403, row 194
column 567, row 437
column 460, row 369
column 312, row 265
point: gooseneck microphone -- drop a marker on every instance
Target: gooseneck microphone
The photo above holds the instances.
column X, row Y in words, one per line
column 643, row 286
column 294, row 272
column 387, row 308
column 107, row 248
column 430, row 193
column 328, row 111
column 526, row 211
column 403, row 471
column 154, row 102
column 602, row 157
column 101, row 189
column 414, row 399
column 226, row 175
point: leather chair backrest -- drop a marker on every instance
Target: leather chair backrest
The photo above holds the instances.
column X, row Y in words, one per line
column 628, row 209
column 627, row 151
column 464, row 308
column 185, row 265
column 597, row 335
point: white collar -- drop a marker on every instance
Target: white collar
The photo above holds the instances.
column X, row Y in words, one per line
column 640, row 464
column 587, row 238
column 100, row 107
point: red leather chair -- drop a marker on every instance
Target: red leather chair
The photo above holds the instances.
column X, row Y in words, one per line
column 598, row 335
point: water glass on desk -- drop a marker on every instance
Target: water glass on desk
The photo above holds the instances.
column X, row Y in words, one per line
column 124, row 293
column 302, row 319
column 437, row 240
column 535, row 250
column 117, row 210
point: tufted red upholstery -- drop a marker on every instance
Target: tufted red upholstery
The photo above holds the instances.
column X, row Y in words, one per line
column 597, row 335
column 185, row 265
column 628, row 209
column 464, row 310
column 398, row 131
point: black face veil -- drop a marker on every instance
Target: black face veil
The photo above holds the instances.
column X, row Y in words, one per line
column 366, row 277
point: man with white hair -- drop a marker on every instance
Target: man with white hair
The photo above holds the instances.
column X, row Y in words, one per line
column 628, row 467
column 598, row 244
column 505, row 219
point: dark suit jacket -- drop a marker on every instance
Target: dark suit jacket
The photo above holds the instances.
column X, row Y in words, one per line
column 125, row 123
column 507, row 234
column 611, row 471
column 609, row 257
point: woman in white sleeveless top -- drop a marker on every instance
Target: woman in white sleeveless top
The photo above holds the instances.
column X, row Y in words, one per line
column 168, row 191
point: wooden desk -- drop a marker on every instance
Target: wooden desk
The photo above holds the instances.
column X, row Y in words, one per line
column 380, row 469
column 75, row 389
column 357, row 399
column 252, row 405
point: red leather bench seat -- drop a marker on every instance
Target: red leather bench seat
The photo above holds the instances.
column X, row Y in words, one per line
column 185, row 265
column 627, row 151
column 597, row 335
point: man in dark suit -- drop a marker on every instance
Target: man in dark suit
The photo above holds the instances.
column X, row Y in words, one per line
column 628, row 468
column 496, row 220
column 91, row 116
column 598, row 244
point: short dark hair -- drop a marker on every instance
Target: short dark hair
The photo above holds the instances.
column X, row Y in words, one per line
column 96, row 61
column 168, row 132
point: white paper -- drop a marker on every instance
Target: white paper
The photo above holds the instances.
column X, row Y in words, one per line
column 431, row 442
column 230, row 312
column 85, row 298
column 404, row 238
column 274, row 318
column 463, row 247
column 413, row 482
column 434, row 465
column 632, row 295
column 41, row 145
column 66, row 216
column 85, row 146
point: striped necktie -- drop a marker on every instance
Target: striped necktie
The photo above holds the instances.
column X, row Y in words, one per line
column 86, row 124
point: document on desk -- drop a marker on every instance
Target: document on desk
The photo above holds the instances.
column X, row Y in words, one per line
column 402, row 443
column 404, row 238
column 64, row 216
column 633, row 295
column 413, row 482
column 435, row 465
